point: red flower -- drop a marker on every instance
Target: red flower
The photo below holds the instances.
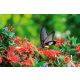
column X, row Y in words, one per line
column 27, row 63
column 25, row 56
column 59, row 42
column 26, row 48
column 78, row 49
column 12, row 58
column 17, row 40
column 77, row 64
column 12, row 48
column 1, row 58
column 67, row 59
column 51, row 53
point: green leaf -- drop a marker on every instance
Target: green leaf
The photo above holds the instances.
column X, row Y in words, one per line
column 11, row 43
column 11, row 35
column 16, row 65
column 61, row 58
column 41, row 64
column 74, row 41
column 73, row 52
column 55, row 64
column 55, row 48
column 4, row 56
column 41, row 54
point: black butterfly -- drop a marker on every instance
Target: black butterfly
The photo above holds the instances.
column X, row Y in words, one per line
column 46, row 40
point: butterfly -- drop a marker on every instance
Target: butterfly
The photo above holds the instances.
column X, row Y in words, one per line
column 46, row 40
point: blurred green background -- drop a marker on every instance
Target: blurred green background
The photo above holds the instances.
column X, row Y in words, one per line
column 29, row 25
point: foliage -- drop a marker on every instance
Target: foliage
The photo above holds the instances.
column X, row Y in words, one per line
column 28, row 25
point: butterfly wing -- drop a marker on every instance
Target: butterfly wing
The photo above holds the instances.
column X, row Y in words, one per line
column 50, row 37
column 43, row 35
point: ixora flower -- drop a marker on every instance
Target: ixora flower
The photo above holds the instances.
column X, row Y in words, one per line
column 50, row 53
column 78, row 49
column 23, row 46
column 17, row 40
column 1, row 58
column 26, row 48
column 77, row 64
column 12, row 48
column 67, row 59
column 59, row 42
column 12, row 58
column 28, row 62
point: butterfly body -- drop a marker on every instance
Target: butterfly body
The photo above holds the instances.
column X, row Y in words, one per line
column 46, row 40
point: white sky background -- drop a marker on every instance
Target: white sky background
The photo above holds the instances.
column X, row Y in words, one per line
column 39, row 7
column 21, row 73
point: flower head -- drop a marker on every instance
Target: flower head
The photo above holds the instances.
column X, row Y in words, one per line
column 12, row 48
column 50, row 53
column 26, row 48
column 59, row 42
column 67, row 59
column 78, row 49
column 27, row 63
column 77, row 64
column 1, row 58
column 12, row 58
column 17, row 40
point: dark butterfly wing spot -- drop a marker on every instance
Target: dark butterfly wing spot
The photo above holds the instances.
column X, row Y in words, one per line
column 54, row 42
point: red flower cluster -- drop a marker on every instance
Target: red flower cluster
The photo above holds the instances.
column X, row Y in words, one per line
column 17, row 40
column 27, row 63
column 59, row 42
column 12, row 48
column 50, row 53
column 67, row 59
column 26, row 55
column 23, row 46
column 78, row 49
column 24, row 49
column 77, row 64
column 1, row 58
column 12, row 58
